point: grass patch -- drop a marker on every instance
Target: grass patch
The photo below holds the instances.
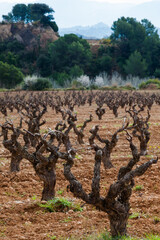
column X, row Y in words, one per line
column 68, row 219
column 152, row 237
column 51, row 237
column 135, row 215
column 34, row 197
column 78, row 157
column 79, row 125
column 60, row 192
column 138, row 188
column 107, row 236
column 60, row 205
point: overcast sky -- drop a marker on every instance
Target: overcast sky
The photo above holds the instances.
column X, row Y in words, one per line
column 109, row 1
column 70, row 13
column 122, row 1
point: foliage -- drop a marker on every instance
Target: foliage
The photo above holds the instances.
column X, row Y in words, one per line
column 61, row 78
column 155, row 81
column 9, row 58
column 60, row 204
column 133, row 50
column 32, row 12
column 105, row 63
column 129, row 36
column 152, row 237
column 135, row 65
column 157, row 73
column 19, row 12
column 76, row 71
column 44, row 65
column 69, row 55
column 10, row 76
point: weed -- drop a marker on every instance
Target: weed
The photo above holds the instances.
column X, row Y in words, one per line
column 79, row 125
column 134, row 215
column 2, row 232
column 78, row 157
column 51, row 237
column 8, row 194
column 43, row 131
column 69, row 219
column 34, row 197
column 152, row 237
column 60, row 192
column 60, row 204
column 156, row 219
column 106, row 236
column 138, row 188
column 2, row 222
column 149, row 156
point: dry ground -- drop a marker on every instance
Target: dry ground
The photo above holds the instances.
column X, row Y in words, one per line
column 22, row 218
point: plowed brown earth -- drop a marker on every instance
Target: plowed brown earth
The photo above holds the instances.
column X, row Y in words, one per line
column 22, row 218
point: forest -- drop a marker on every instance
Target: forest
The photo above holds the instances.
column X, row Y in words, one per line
column 132, row 49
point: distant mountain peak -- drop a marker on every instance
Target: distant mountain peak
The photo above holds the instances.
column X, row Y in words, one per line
column 97, row 31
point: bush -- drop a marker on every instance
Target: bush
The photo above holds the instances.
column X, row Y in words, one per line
column 157, row 73
column 10, row 76
column 61, row 79
column 37, row 84
column 155, row 81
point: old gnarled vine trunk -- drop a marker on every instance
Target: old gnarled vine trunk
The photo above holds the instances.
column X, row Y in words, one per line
column 15, row 162
column 49, row 181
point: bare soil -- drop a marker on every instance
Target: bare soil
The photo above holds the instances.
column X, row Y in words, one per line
column 22, row 218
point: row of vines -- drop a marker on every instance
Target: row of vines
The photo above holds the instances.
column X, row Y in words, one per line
column 24, row 137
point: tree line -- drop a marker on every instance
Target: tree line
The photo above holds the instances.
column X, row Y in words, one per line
column 132, row 49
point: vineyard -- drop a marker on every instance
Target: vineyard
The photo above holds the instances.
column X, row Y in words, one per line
column 97, row 150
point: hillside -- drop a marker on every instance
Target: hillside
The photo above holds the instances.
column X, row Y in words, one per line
column 28, row 34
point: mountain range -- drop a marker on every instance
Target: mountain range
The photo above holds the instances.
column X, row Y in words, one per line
column 97, row 31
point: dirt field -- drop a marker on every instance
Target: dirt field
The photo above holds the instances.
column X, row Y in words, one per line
column 22, row 219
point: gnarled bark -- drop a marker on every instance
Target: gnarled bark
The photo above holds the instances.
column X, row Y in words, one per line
column 109, row 145
column 15, row 162
column 116, row 203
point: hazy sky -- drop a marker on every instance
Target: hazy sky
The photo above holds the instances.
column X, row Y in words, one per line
column 122, row 1
column 109, row 1
column 70, row 13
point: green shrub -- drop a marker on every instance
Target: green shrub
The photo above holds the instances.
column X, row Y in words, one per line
column 10, row 76
column 38, row 84
column 157, row 73
column 155, row 81
column 61, row 79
